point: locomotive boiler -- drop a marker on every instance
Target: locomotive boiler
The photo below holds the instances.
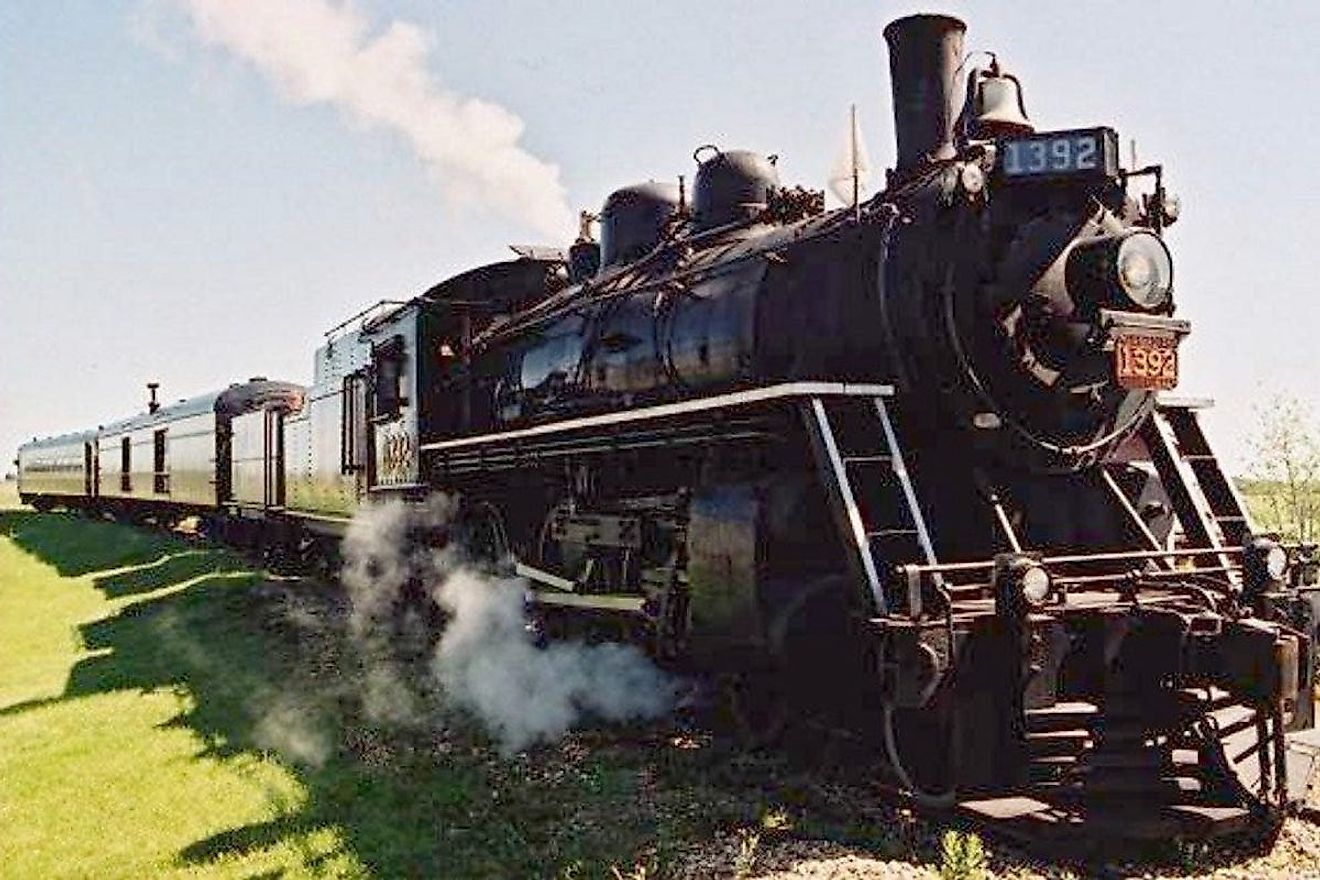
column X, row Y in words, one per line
column 909, row 465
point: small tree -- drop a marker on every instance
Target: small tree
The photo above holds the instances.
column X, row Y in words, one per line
column 1286, row 468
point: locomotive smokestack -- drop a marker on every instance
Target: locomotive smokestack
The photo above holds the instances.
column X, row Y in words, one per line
column 153, row 404
column 924, row 53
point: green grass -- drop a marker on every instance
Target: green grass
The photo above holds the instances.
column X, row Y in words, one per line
column 110, row 766
column 167, row 710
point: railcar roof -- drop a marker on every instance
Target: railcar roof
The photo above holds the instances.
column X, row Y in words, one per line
column 237, row 398
column 57, row 440
column 203, row 403
column 509, row 281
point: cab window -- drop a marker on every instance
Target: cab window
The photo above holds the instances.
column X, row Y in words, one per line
column 387, row 376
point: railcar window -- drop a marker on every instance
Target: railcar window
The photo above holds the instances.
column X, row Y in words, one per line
column 125, row 465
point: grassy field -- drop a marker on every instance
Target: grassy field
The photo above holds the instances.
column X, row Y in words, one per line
column 167, row 710
column 125, row 668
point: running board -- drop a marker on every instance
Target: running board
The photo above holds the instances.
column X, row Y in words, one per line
column 752, row 415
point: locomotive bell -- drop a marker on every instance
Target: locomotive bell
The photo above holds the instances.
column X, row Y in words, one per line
column 999, row 107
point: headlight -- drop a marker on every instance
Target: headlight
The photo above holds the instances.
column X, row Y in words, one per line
column 1021, row 583
column 972, row 178
column 1276, row 563
column 1035, row 585
column 1145, row 270
column 1264, row 562
column 1130, row 270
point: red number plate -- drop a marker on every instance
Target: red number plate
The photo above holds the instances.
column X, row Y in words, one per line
column 1148, row 362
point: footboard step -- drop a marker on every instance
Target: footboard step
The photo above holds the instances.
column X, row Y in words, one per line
column 1038, row 820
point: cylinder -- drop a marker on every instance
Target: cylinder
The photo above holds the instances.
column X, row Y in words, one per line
column 924, row 54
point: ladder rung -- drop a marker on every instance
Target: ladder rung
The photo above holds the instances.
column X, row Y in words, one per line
column 890, row 533
column 867, row 459
column 1195, row 457
column 1233, row 518
column 1238, row 726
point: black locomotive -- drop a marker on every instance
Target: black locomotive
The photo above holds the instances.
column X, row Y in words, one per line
column 909, row 462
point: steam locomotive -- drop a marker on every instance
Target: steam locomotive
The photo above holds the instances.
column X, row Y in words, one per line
column 912, row 459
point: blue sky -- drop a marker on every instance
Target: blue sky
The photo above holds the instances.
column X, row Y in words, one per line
column 171, row 210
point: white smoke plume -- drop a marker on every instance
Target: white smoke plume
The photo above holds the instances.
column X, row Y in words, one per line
column 389, row 551
column 322, row 52
column 487, row 660
column 489, row 663
column 293, row 730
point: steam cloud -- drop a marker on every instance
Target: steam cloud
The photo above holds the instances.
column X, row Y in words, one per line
column 319, row 52
column 288, row 727
column 487, row 660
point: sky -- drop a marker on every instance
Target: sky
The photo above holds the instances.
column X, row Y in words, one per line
column 193, row 191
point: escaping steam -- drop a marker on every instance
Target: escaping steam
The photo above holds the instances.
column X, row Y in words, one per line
column 487, row 660
column 319, row 52
column 290, row 727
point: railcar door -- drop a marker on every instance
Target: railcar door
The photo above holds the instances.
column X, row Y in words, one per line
column 273, row 458
column 355, row 439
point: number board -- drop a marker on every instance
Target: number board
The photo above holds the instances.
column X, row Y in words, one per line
column 1146, row 362
column 1088, row 152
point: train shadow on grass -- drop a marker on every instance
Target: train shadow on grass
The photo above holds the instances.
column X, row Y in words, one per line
column 75, row 545
column 412, row 792
column 270, row 668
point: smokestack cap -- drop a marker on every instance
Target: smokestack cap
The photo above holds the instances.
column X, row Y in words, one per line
column 931, row 22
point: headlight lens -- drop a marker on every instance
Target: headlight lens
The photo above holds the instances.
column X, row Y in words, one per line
column 1276, row 563
column 1144, row 270
column 1035, row 585
column 1264, row 562
column 1021, row 584
column 972, row 178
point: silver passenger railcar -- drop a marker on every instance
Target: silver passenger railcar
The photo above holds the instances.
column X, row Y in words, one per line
column 57, row 469
column 174, row 459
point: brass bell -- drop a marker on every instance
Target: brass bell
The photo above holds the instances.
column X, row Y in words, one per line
column 999, row 107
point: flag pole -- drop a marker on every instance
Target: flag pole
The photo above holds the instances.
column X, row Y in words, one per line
column 857, row 183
